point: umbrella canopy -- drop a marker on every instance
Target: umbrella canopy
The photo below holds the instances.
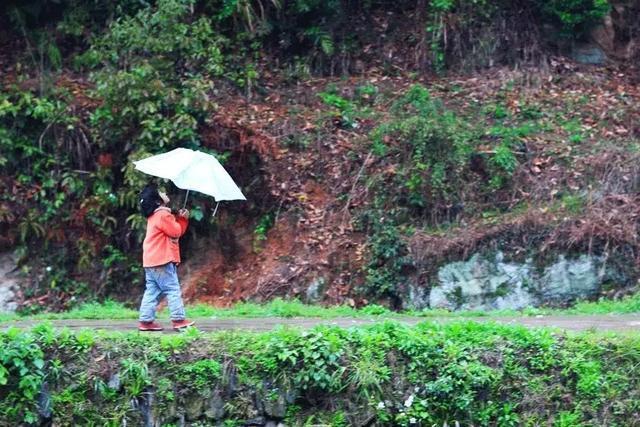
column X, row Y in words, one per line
column 192, row 170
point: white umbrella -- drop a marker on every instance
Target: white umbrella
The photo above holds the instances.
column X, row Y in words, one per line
column 192, row 170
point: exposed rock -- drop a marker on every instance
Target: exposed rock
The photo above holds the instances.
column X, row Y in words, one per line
column 172, row 409
column 418, row 297
column 571, row 279
column 231, row 379
column 480, row 283
column 483, row 283
column 8, row 282
column 290, row 396
column 589, row 53
column 215, row 406
column 315, row 290
column 257, row 421
column 193, row 407
column 114, row 382
column 44, row 402
column 146, row 405
column 275, row 407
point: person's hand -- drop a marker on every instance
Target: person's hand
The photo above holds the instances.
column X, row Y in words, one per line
column 183, row 213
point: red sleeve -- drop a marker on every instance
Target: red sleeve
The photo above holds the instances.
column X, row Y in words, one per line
column 171, row 226
column 184, row 223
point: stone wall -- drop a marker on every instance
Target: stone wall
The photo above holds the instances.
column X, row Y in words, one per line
column 487, row 282
column 386, row 374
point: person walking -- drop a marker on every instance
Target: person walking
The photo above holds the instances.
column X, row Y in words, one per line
column 160, row 259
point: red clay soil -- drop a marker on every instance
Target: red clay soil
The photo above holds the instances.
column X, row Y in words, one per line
column 296, row 251
column 312, row 237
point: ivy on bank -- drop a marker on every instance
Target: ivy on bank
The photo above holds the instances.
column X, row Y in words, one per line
column 395, row 375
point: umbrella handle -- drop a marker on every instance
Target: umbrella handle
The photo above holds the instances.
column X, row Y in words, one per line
column 185, row 200
column 215, row 210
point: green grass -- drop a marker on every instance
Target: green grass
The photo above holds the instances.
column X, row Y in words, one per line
column 630, row 304
column 275, row 308
column 295, row 308
column 93, row 310
column 627, row 305
column 281, row 308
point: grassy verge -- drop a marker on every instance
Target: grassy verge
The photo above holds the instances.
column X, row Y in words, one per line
column 294, row 308
column 385, row 374
column 274, row 308
column 627, row 305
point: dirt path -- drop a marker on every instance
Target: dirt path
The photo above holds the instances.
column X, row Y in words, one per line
column 574, row 323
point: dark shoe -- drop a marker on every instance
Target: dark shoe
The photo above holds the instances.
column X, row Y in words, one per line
column 149, row 326
column 181, row 324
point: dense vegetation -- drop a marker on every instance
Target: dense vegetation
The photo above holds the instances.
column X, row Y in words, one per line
column 386, row 374
column 90, row 86
column 376, row 140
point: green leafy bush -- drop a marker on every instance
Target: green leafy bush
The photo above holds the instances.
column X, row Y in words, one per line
column 155, row 70
column 576, row 16
column 388, row 263
column 21, row 376
column 135, row 375
column 432, row 147
column 265, row 223
column 200, row 375
column 345, row 109
column 311, row 360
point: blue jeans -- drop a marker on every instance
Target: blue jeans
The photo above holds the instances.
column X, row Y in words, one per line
column 161, row 281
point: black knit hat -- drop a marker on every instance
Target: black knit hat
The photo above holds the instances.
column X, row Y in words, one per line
column 149, row 200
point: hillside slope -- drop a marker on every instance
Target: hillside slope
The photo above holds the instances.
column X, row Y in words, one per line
column 434, row 156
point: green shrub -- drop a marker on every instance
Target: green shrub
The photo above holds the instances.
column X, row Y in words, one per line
column 576, row 16
column 387, row 263
column 503, row 160
column 311, row 360
column 135, row 376
column 154, row 73
column 21, row 376
column 200, row 375
column 345, row 109
column 433, row 146
column 265, row 223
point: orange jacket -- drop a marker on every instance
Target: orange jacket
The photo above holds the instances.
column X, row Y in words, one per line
column 160, row 244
